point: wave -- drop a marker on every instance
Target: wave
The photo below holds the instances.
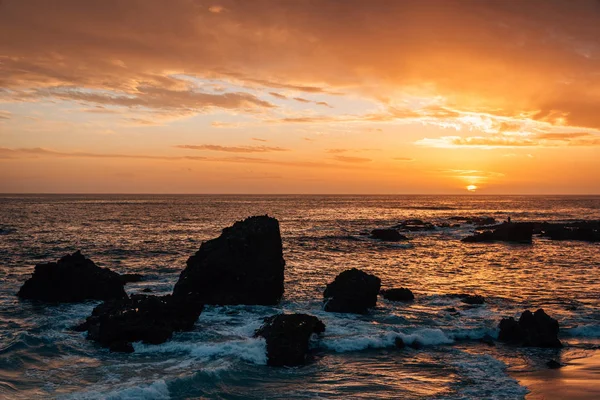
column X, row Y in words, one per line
column 155, row 391
column 589, row 331
column 424, row 337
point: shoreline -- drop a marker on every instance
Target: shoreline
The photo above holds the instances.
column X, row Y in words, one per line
column 578, row 380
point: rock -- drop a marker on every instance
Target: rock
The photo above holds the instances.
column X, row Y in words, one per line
column 520, row 232
column 532, row 330
column 450, row 309
column 73, row 278
column 414, row 225
column 399, row 342
column 244, row 265
column 472, row 299
column 387, row 235
column 417, row 345
column 352, row 291
column 552, row 364
column 487, row 339
column 480, row 221
column 587, row 231
column 131, row 278
column 147, row 290
column 149, row 319
column 287, row 337
column 398, row 294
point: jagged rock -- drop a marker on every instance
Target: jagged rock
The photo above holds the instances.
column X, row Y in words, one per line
column 287, row 337
column 131, row 278
column 520, row 232
column 387, row 235
column 553, row 364
column 587, row 231
column 532, row 330
column 244, row 265
column 352, row 291
column 149, row 319
column 398, row 294
column 472, row 299
column 72, row 279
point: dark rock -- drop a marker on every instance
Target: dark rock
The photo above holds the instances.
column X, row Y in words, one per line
column 352, row 291
column 131, row 278
column 416, row 345
column 532, row 330
column 552, row 364
column 387, row 235
column 587, row 231
column 244, row 265
column 450, row 309
column 481, row 221
column 72, row 279
column 414, row 225
column 472, row 299
column 287, row 337
column 147, row 290
column 520, row 232
column 398, row 294
column 487, row 339
column 150, row 319
column 399, row 342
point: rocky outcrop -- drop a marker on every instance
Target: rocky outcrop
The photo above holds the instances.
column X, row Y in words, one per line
column 244, row 265
column 587, row 231
column 414, row 225
column 472, row 299
column 352, row 291
column 398, row 294
column 521, row 232
column 131, row 278
column 73, row 278
column 149, row 319
column 532, row 330
column 387, row 235
column 288, row 336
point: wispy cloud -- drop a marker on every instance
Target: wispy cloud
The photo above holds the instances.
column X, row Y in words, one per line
column 353, row 160
column 232, row 149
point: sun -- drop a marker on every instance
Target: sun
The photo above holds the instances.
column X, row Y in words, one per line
column 471, row 188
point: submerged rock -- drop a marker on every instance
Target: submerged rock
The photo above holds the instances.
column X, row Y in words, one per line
column 71, row 279
column 532, row 330
column 387, row 235
column 131, row 278
column 398, row 294
column 352, row 291
column 287, row 337
column 472, row 299
column 149, row 319
column 521, row 232
column 553, row 364
column 244, row 265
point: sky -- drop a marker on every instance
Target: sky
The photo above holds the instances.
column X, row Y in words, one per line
column 338, row 96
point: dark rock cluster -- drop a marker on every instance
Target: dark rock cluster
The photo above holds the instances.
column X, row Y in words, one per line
column 398, row 294
column 521, row 232
column 352, row 291
column 531, row 330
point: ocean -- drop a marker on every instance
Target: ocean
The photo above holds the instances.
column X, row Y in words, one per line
column 154, row 235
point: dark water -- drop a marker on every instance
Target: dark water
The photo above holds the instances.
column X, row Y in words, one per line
column 154, row 235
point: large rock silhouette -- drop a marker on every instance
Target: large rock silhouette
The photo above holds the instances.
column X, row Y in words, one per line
column 520, row 232
column 532, row 330
column 287, row 337
column 244, row 265
column 352, row 291
column 149, row 319
column 72, row 279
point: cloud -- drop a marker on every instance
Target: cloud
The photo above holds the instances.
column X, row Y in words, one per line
column 353, row 160
column 232, row 149
column 4, row 115
column 508, row 141
column 277, row 95
column 258, row 139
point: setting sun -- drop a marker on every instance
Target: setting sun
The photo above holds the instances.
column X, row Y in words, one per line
column 471, row 188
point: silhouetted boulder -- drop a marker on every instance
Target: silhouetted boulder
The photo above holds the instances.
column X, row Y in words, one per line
column 387, row 235
column 72, row 279
column 553, row 364
column 520, row 232
column 532, row 330
column 399, row 342
column 587, row 231
column 131, row 278
column 472, row 299
column 244, row 265
column 398, row 294
column 149, row 319
column 287, row 337
column 352, row 291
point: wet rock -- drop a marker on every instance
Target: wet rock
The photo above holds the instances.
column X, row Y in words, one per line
column 487, row 339
column 586, row 231
column 287, row 337
column 387, row 235
column 73, row 278
column 244, row 265
column 520, row 232
column 131, row 278
column 398, row 294
column 450, row 309
column 147, row 290
column 149, row 319
column 552, row 364
column 399, row 343
column 417, row 345
column 532, row 330
column 352, row 291
column 472, row 299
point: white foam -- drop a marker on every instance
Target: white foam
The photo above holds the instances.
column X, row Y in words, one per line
column 155, row 391
column 426, row 337
column 251, row 350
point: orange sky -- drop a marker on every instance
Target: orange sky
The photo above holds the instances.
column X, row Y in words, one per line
column 194, row 96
